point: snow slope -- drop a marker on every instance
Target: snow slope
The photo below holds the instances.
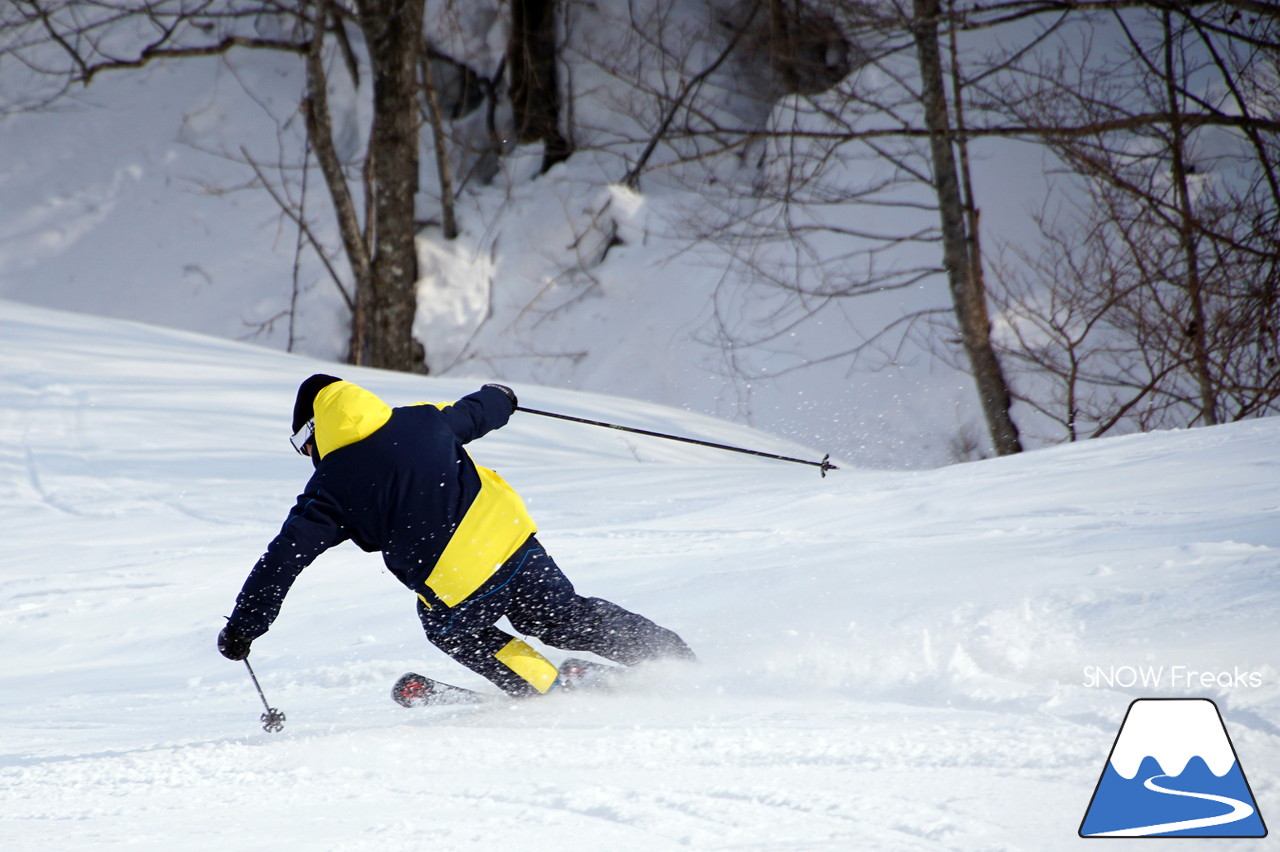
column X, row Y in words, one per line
column 891, row 660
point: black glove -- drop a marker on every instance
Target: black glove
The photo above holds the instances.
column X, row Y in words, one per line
column 233, row 644
column 511, row 395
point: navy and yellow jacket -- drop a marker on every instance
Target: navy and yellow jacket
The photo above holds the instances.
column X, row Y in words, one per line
column 396, row 480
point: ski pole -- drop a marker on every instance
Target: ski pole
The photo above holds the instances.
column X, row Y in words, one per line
column 825, row 465
column 273, row 719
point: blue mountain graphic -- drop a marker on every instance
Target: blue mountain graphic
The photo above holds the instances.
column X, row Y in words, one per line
column 1121, row 804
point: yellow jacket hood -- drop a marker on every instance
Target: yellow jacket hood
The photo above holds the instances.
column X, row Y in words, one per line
column 346, row 413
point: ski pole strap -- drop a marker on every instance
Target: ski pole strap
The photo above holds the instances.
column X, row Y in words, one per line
column 824, row 465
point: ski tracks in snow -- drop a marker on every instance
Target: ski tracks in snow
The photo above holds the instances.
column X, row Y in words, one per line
column 620, row 772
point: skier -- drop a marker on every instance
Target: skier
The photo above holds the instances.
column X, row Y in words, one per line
column 398, row 480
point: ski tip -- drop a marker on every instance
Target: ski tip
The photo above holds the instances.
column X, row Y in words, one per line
column 412, row 690
column 415, row 690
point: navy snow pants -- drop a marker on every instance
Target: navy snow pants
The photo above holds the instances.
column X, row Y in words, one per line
column 539, row 601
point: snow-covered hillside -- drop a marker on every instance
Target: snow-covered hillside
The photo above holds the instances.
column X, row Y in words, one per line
column 890, row 660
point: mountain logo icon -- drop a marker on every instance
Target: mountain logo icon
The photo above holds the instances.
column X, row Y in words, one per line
column 1173, row 772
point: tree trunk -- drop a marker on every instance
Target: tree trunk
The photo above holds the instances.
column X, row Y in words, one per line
column 967, row 293
column 448, row 216
column 1195, row 328
column 535, row 91
column 320, row 134
column 393, row 32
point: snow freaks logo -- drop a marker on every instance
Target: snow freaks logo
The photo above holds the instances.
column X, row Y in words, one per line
column 1173, row 772
column 1179, row 677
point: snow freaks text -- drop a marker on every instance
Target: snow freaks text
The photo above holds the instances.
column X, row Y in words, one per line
column 1172, row 677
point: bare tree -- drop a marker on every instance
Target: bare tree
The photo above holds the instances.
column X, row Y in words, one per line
column 830, row 143
column 71, row 43
column 968, row 295
column 1073, row 330
column 850, row 172
column 1176, row 152
column 66, row 43
column 1186, row 321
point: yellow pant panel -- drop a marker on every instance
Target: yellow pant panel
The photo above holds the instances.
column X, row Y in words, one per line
column 528, row 664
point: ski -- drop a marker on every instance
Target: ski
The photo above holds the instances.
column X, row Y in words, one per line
column 415, row 690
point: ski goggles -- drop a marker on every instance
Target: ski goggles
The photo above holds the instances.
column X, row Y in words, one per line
column 303, row 435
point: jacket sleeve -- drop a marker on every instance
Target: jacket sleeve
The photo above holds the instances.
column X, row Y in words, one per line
column 314, row 525
column 477, row 414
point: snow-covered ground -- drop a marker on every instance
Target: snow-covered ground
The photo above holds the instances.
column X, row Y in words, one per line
column 890, row 660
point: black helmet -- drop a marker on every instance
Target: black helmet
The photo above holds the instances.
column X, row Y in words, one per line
column 304, row 412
